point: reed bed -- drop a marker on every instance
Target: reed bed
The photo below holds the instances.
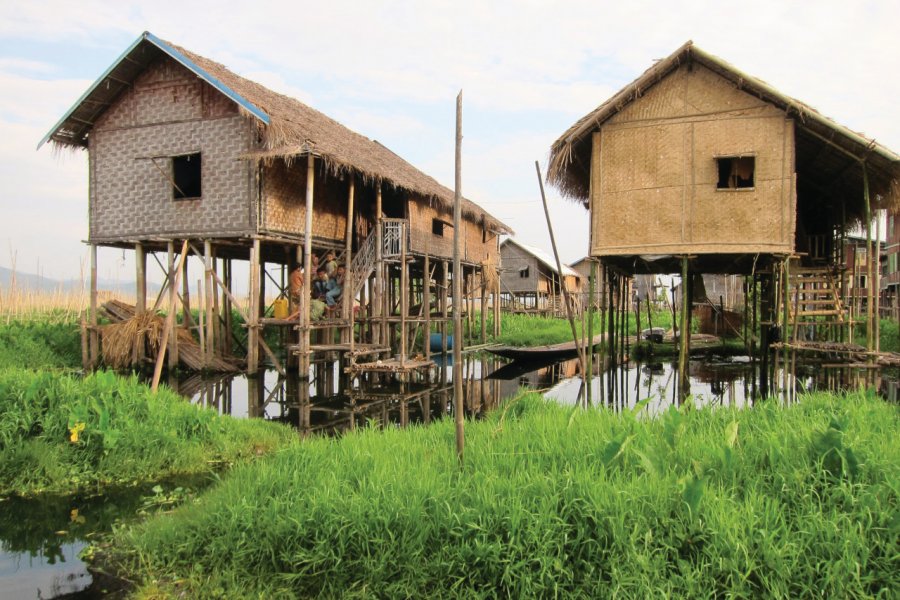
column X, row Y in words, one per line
column 533, row 330
column 63, row 433
column 61, row 304
column 776, row 501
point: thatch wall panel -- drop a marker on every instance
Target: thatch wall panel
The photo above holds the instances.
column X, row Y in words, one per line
column 475, row 246
column 284, row 201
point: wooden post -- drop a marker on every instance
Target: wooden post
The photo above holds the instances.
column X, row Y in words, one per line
column 426, row 305
column 870, row 321
column 876, row 333
column 92, row 315
column 684, row 340
column 253, row 312
column 140, row 266
column 209, row 283
column 347, row 304
column 187, row 319
column 445, row 281
column 173, row 296
column 404, row 298
column 565, row 292
column 590, row 333
column 457, row 290
column 495, row 302
column 307, row 267
column 481, row 309
column 167, row 342
column 226, row 306
column 378, row 292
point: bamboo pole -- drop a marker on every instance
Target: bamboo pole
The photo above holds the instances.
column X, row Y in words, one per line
column 870, row 322
column 140, row 265
column 378, row 333
column 210, row 291
column 590, row 333
column 683, row 340
column 347, row 305
column 426, row 303
column 877, row 268
column 307, row 267
column 169, row 328
column 253, row 312
column 404, row 298
column 92, row 315
column 457, row 289
column 173, row 295
column 565, row 291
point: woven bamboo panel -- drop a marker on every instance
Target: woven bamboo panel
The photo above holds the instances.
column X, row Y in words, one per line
column 284, row 199
column 654, row 172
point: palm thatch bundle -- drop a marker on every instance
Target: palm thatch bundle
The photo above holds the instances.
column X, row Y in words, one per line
column 490, row 275
column 130, row 337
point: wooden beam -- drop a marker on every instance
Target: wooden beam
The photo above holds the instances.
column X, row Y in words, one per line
column 253, row 312
column 173, row 290
column 169, row 328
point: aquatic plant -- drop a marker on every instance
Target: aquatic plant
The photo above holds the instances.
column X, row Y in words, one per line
column 40, row 344
column 776, row 501
column 64, row 433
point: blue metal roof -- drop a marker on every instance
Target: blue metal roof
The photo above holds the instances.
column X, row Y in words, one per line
column 175, row 55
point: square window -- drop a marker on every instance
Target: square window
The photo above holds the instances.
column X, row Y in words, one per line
column 736, row 172
column 186, row 176
column 437, row 227
column 523, row 272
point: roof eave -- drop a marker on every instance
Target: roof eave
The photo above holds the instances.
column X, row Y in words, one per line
column 175, row 55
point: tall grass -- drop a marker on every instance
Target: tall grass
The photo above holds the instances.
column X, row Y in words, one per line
column 50, row 343
column 61, row 433
column 785, row 502
column 531, row 330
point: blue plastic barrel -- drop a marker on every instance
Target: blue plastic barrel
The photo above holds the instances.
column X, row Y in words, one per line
column 434, row 342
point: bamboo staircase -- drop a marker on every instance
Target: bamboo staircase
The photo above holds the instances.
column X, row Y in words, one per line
column 814, row 299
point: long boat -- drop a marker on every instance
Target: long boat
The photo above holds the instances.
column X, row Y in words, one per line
column 563, row 350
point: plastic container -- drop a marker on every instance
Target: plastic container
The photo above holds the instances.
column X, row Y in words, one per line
column 434, row 342
column 280, row 308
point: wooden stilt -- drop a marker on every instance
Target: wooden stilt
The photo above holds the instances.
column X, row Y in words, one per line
column 173, row 296
column 187, row 319
column 208, row 301
column 167, row 342
column 457, row 289
column 307, row 269
column 226, row 307
column 92, row 315
column 140, row 266
column 404, row 300
column 445, row 281
column 684, row 340
column 347, row 304
column 426, row 304
column 253, row 312
column 378, row 292
column 481, row 308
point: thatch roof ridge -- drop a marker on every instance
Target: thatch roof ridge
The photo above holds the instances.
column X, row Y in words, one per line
column 570, row 178
column 296, row 129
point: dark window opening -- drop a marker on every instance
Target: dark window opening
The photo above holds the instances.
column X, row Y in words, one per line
column 523, row 272
column 437, row 227
column 186, row 176
column 736, row 172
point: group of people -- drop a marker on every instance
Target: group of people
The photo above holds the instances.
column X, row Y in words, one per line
column 327, row 285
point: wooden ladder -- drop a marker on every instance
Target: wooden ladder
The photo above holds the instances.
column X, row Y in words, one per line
column 814, row 298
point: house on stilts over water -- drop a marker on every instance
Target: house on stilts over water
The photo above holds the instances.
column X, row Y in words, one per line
column 187, row 157
column 696, row 167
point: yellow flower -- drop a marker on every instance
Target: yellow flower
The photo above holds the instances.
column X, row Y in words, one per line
column 74, row 431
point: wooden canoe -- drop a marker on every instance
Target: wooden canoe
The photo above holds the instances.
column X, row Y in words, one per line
column 564, row 350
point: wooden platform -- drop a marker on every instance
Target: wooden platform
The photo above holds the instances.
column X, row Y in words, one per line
column 358, row 349
column 391, row 365
column 856, row 354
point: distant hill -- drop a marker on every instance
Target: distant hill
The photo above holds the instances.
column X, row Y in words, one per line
column 30, row 281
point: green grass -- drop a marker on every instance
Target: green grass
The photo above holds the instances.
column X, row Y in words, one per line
column 127, row 433
column 770, row 502
column 529, row 330
column 40, row 344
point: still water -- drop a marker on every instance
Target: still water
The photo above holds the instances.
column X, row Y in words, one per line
column 40, row 539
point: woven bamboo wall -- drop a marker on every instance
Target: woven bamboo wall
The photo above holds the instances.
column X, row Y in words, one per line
column 423, row 241
column 514, row 260
column 284, row 201
column 169, row 112
column 654, row 172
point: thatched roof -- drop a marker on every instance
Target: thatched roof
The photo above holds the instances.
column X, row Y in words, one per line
column 288, row 128
column 570, row 155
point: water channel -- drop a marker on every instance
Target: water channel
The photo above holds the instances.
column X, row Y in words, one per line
column 40, row 539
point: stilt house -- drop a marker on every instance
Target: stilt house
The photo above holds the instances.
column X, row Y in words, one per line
column 530, row 281
column 183, row 153
column 698, row 167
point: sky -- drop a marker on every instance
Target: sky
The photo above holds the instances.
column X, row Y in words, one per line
column 391, row 71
